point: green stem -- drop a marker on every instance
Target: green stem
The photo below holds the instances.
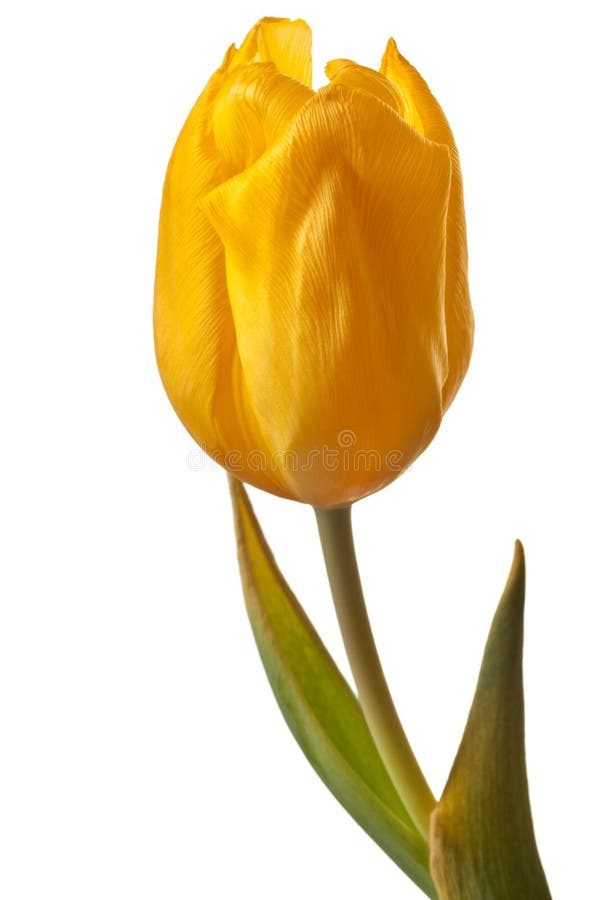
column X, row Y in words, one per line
column 335, row 531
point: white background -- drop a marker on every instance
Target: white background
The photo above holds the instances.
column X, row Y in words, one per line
column 142, row 754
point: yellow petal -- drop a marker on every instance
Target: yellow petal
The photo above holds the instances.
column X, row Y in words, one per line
column 193, row 327
column 194, row 331
column 334, row 243
column 348, row 73
column 286, row 43
column 434, row 125
column 416, row 92
column 254, row 105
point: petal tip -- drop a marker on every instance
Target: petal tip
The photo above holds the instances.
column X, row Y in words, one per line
column 392, row 55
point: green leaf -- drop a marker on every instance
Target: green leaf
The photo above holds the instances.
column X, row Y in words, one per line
column 482, row 840
column 318, row 705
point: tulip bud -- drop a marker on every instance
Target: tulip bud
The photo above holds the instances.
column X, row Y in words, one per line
column 312, row 315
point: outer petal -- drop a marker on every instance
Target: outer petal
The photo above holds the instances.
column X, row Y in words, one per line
column 193, row 328
column 459, row 315
column 194, row 331
column 254, row 105
column 335, row 246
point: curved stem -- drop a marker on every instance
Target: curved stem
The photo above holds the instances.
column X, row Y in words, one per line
column 335, row 531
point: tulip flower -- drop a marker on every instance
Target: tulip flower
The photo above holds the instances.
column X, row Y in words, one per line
column 312, row 326
column 312, row 314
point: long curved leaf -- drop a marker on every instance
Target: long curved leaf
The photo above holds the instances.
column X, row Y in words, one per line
column 319, row 707
column 482, row 840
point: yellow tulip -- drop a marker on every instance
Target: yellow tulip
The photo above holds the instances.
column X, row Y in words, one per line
column 312, row 315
